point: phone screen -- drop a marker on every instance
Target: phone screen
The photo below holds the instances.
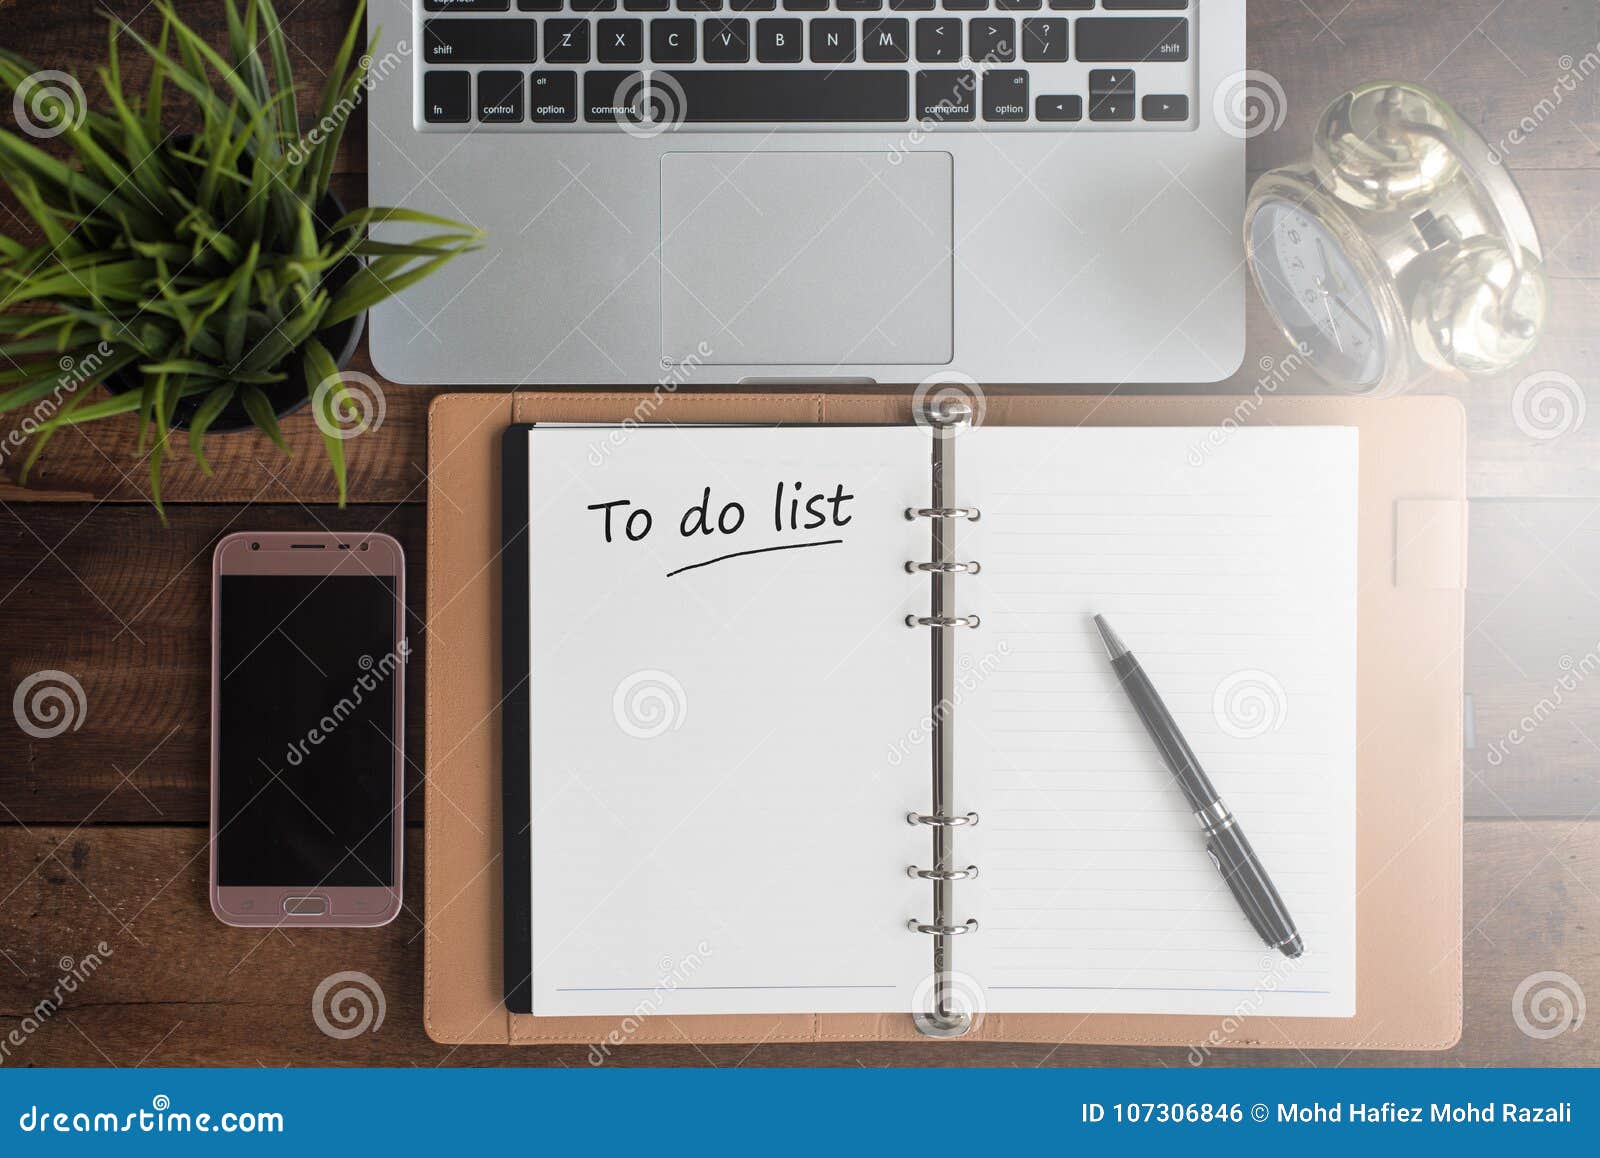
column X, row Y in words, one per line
column 307, row 686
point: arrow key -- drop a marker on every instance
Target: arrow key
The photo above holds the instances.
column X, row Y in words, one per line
column 1058, row 108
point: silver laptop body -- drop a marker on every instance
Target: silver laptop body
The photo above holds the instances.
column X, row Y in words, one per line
column 1007, row 204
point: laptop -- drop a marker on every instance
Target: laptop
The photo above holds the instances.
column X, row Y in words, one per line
column 814, row 191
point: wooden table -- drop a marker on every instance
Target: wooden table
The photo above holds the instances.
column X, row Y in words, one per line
column 103, row 830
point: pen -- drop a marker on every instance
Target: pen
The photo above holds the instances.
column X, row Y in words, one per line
column 1226, row 844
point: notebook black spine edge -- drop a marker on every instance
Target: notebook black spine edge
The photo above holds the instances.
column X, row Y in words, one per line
column 516, row 818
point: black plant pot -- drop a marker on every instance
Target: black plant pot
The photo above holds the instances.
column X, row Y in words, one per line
column 293, row 392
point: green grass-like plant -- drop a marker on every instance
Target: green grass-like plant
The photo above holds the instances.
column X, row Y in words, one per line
column 195, row 265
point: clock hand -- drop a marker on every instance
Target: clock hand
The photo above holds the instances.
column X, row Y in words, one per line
column 1333, row 325
column 1327, row 268
column 1354, row 317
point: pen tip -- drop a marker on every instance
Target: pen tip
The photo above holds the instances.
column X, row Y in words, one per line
column 1114, row 645
column 1293, row 947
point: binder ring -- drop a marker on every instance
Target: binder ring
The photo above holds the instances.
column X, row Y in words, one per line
column 945, row 568
column 923, row 874
column 970, row 513
column 935, row 821
column 916, row 926
column 942, row 621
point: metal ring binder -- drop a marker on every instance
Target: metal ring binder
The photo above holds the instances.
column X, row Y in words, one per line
column 946, row 1017
column 945, row 568
column 942, row 621
column 965, row 874
column 971, row 514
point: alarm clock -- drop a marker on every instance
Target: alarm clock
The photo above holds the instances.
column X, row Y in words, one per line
column 1402, row 247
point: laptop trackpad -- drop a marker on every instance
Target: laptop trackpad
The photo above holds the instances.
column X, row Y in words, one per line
column 806, row 259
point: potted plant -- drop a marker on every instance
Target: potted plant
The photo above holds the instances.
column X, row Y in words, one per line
column 207, row 278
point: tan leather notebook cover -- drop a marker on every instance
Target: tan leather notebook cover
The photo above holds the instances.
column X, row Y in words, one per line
column 1409, row 701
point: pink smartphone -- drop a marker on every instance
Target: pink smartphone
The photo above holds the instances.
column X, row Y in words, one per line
column 308, row 657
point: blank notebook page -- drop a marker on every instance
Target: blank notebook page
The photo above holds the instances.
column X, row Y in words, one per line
column 1227, row 562
column 718, row 719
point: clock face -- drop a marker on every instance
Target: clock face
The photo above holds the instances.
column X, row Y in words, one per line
column 1317, row 293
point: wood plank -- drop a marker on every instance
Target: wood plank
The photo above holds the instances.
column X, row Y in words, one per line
column 72, row 38
column 1511, row 452
column 123, row 606
column 1495, row 62
column 1533, row 660
column 71, row 577
column 177, row 988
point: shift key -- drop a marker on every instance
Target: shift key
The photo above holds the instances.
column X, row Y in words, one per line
column 1132, row 39
column 480, row 41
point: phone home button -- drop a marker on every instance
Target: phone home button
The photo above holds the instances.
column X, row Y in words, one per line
column 305, row 906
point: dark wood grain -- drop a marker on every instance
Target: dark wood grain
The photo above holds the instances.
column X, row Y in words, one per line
column 120, row 602
column 180, row 989
column 1533, row 660
column 123, row 605
column 1496, row 62
column 88, row 854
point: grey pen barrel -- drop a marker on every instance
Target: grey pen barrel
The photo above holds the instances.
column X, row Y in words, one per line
column 1226, row 843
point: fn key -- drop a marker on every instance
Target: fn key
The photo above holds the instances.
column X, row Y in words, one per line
column 447, row 98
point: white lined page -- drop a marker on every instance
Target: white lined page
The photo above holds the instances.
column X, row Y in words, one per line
column 1228, row 567
column 719, row 724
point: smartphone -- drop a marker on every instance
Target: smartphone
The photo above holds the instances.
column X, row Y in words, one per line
column 308, row 658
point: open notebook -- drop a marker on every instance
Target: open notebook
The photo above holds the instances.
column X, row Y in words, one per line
column 718, row 717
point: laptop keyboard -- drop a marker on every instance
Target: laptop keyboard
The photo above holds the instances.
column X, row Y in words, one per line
column 646, row 65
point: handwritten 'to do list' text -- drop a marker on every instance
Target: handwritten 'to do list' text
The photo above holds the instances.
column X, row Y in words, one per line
column 795, row 510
